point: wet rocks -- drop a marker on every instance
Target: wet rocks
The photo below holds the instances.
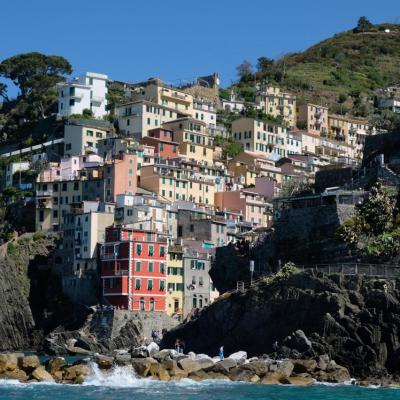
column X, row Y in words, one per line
column 169, row 365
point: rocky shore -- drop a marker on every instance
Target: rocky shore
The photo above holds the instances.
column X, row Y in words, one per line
column 169, row 365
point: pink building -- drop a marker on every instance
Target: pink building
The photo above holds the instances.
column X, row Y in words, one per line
column 252, row 206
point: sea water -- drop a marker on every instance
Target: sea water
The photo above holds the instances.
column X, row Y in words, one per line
column 122, row 384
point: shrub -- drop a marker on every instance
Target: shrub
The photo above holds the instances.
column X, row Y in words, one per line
column 38, row 235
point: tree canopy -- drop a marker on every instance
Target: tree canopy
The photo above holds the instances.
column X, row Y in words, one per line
column 34, row 72
column 36, row 76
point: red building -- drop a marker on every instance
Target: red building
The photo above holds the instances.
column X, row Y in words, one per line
column 163, row 142
column 133, row 269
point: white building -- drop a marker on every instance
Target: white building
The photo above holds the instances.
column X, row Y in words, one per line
column 205, row 111
column 232, row 104
column 12, row 169
column 87, row 92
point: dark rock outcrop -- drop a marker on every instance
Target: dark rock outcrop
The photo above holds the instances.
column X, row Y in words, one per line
column 355, row 320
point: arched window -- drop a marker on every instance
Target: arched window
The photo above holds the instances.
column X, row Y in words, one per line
column 142, row 304
column 200, row 301
column 194, row 301
column 151, row 304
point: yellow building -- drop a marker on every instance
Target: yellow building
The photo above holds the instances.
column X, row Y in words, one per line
column 278, row 104
column 242, row 172
column 157, row 91
column 262, row 137
column 173, row 183
column 194, row 142
column 138, row 117
column 175, row 282
column 313, row 118
column 338, row 127
column 82, row 136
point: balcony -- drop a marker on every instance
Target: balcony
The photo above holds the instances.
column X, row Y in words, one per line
column 44, row 193
column 109, row 256
column 76, row 96
column 90, row 149
column 97, row 99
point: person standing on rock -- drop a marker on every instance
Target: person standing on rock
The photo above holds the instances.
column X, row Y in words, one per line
column 221, row 353
column 178, row 345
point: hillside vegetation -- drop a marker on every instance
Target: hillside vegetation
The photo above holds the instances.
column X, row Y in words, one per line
column 341, row 72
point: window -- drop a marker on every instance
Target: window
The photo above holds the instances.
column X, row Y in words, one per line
column 139, row 249
column 162, row 251
column 89, row 133
column 150, row 284
column 64, row 187
column 162, row 285
column 162, row 268
column 151, row 250
column 142, row 308
column 99, row 135
column 137, row 284
column 71, row 102
column 201, row 281
column 68, row 146
column 194, row 301
column 138, row 266
column 55, row 214
column 150, row 267
column 179, row 287
column 151, row 304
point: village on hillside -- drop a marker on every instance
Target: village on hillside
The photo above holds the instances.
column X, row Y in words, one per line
column 143, row 191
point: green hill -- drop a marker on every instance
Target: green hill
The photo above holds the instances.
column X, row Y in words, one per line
column 345, row 68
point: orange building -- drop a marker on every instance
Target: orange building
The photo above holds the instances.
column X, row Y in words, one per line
column 163, row 142
column 133, row 269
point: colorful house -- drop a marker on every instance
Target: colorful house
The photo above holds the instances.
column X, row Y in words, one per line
column 133, row 269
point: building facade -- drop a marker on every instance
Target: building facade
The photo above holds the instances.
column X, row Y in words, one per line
column 133, row 269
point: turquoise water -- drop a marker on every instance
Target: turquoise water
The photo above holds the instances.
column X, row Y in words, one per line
column 187, row 390
column 121, row 384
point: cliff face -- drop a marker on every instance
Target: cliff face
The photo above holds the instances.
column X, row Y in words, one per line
column 16, row 318
column 355, row 320
column 305, row 234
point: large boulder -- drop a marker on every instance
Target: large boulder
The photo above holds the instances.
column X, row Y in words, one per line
column 104, row 362
column 245, row 375
column 163, row 355
column 285, row 368
column 73, row 372
column 153, row 348
column 189, row 365
column 304, row 366
column 199, row 375
column 8, row 362
column 142, row 365
column 140, row 352
column 300, row 380
column 41, row 375
column 240, row 357
column 174, row 371
column 258, row 367
column 17, row 374
column 28, row 363
column 223, row 366
column 205, row 362
column 123, row 359
column 55, row 364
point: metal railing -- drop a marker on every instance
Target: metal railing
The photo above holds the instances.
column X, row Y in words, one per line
column 346, row 269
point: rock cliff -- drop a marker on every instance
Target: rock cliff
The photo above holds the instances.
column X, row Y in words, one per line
column 16, row 319
column 353, row 319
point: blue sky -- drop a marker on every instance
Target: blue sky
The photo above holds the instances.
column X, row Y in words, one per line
column 176, row 40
